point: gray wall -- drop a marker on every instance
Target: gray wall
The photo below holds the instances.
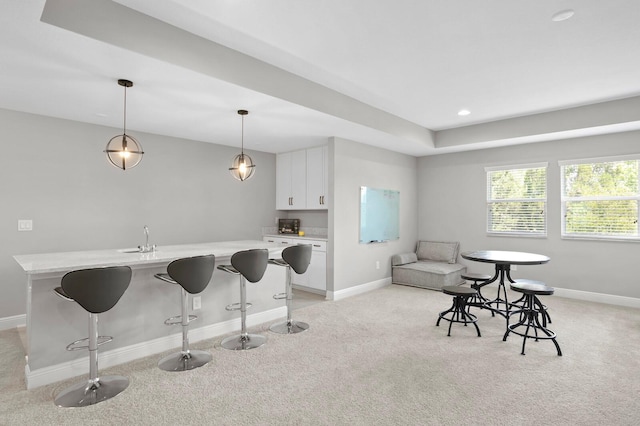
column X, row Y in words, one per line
column 55, row 173
column 353, row 165
column 452, row 206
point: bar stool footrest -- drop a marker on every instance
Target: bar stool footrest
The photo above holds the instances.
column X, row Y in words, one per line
column 76, row 346
column 237, row 306
column 178, row 319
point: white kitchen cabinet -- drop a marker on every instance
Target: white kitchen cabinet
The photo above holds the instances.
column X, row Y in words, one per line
column 316, row 276
column 317, row 177
column 317, row 273
column 291, row 180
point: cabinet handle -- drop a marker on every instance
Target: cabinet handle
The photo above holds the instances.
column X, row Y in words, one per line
column 316, row 245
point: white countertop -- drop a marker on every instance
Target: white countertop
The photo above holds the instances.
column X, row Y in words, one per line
column 68, row 261
column 296, row 236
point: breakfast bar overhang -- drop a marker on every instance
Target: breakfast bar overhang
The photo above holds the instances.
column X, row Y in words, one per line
column 137, row 321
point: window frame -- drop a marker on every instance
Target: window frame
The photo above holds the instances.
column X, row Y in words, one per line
column 564, row 199
column 488, row 171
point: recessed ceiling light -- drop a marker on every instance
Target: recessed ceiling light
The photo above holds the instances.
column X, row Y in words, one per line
column 464, row 112
column 563, row 15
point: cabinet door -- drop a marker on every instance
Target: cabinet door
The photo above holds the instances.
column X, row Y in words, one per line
column 291, row 180
column 283, row 181
column 298, row 180
column 317, row 272
column 317, row 178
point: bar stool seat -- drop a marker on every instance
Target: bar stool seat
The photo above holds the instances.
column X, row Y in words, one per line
column 477, row 300
column 529, row 313
column 457, row 312
column 193, row 274
column 249, row 265
column 97, row 290
column 297, row 258
column 519, row 304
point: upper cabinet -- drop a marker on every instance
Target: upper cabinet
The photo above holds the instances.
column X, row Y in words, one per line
column 291, row 180
column 317, row 178
column 302, row 179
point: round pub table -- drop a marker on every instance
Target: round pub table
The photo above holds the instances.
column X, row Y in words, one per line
column 503, row 261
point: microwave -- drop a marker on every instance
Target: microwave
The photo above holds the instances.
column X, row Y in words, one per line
column 288, row 226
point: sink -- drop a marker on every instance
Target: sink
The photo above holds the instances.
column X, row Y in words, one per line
column 129, row 250
column 152, row 249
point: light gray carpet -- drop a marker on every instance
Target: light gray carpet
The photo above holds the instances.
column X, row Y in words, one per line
column 374, row 359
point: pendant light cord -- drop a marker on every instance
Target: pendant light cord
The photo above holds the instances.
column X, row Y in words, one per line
column 124, row 126
column 242, row 137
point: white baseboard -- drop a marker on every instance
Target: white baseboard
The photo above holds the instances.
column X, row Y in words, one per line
column 66, row 370
column 12, row 322
column 359, row 289
column 609, row 299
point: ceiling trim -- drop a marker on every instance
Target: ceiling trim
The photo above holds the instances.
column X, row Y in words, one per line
column 118, row 25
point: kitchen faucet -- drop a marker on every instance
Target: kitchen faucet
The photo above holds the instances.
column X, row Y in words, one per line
column 146, row 248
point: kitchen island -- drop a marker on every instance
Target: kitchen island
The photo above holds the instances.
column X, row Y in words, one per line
column 137, row 321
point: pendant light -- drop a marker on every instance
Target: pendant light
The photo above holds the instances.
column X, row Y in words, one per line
column 123, row 151
column 242, row 167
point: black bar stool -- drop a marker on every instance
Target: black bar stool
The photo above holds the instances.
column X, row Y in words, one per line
column 297, row 258
column 542, row 308
column 529, row 315
column 457, row 312
column 250, row 265
column 97, row 290
column 193, row 275
column 477, row 300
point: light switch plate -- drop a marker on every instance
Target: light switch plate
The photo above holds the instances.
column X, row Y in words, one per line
column 197, row 303
column 25, row 225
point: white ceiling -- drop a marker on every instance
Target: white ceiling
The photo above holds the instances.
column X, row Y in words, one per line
column 389, row 73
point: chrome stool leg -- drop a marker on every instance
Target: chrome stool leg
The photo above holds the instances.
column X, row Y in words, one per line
column 186, row 359
column 289, row 326
column 96, row 389
column 244, row 340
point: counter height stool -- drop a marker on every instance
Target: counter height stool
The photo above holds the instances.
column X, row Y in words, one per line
column 297, row 258
column 457, row 312
column 529, row 315
column 519, row 304
column 97, row 290
column 477, row 300
column 193, row 275
column 249, row 265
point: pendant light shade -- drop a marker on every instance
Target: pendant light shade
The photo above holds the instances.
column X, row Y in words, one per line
column 123, row 151
column 242, row 167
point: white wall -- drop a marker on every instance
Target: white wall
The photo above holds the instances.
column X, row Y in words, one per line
column 353, row 165
column 452, row 193
column 55, row 173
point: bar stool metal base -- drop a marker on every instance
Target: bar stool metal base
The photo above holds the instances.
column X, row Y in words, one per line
column 91, row 392
column 530, row 315
column 183, row 361
column 242, row 342
column 458, row 310
column 289, row 327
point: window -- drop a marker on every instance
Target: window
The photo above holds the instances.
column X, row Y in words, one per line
column 600, row 198
column 517, row 200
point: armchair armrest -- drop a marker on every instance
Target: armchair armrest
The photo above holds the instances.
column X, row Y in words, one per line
column 403, row 259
